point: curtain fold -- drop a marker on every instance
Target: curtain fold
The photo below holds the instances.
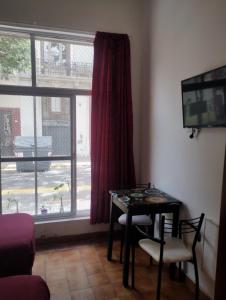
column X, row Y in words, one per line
column 112, row 164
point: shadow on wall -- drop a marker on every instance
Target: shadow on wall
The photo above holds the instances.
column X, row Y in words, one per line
column 209, row 254
column 207, row 258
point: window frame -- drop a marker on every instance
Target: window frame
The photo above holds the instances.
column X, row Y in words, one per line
column 37, row 91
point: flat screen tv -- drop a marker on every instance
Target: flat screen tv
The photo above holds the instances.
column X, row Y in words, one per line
column 204, row 99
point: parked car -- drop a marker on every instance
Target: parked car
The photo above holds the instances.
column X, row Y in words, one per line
column 24, row 147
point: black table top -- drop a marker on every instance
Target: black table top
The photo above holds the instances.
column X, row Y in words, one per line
column 134, row 198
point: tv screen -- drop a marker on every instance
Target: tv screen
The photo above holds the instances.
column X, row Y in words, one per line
column 204, row 99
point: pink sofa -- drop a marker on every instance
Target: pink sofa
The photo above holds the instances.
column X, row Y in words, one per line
column 17, row 244
column 23, row 287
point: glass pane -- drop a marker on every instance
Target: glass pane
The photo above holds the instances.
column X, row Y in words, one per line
column 16, row 126
column 18, row 188
column 54, row 187
column 83, row 152
column 53, row 126
column 65, row 64
column 15, row 59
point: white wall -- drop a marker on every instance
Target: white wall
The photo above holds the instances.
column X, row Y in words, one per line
column 26, row 115
column 25, row 105
column 186, row 38
column 8, row 101
column 86, row 15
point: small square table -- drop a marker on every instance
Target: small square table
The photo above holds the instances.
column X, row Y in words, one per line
column 139, row 202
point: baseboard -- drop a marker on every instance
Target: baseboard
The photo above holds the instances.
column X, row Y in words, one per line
column 58, row 241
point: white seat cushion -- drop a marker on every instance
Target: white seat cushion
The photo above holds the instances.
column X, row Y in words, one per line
column 174, row 250
column 136, row 220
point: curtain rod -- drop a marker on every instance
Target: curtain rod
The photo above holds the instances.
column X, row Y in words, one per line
column 36, row 29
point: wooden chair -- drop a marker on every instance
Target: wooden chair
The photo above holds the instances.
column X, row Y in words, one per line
column 141, row 220
column 168, row 249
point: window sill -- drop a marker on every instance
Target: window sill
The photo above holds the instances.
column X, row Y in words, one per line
column 62, row 220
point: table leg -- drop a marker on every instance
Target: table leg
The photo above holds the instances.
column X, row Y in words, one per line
column 127, row 250
column 152, row 227
column 173, row 267
column 175, row 222
column 111, row 231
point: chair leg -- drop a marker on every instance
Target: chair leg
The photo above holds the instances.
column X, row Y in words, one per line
column 133, row 262
column 181, row 273
column 180, row 267
column 150, row 231
column 172, row 271
column 159, row 280
column 122, row 242
column 151, row 260
column 196, row 278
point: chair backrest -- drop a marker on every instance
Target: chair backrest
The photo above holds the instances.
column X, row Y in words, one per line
column 185, row 226
column 192, row 225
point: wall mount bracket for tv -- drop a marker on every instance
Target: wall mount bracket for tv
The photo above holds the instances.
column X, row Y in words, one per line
column 194, row 132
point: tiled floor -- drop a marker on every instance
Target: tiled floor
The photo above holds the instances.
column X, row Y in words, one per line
column 82, row 272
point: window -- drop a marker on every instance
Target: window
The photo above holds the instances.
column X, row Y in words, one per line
column 45, row 128
column 15, row 58
column 55, row 104
column 63, row 63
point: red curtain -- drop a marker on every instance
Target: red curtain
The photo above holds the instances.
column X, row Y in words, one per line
column 112, row 165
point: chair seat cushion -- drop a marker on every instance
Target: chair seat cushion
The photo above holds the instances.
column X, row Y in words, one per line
column 174, row 250
column 17, row 247
column 136, row 220
column 23, row 287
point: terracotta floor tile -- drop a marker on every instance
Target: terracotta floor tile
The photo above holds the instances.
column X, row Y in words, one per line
column 101, row 251
column 64, row 295
column 76, row 276
column 52, row 265
column 93, row 268
column 86, row 294
column 83, row 272
column 57, row 273
column 71, row 256
column 87, row 251
column 111, row 265
column 144, row 286
column 94, row 258
column 75, row 268
column 104, row 292
column 98, row 279
column 78, row 281
column 40, row 257
column 57, row 286
column 126, row 292
column 55, row 257
column 39, row 268
column 115, row 276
